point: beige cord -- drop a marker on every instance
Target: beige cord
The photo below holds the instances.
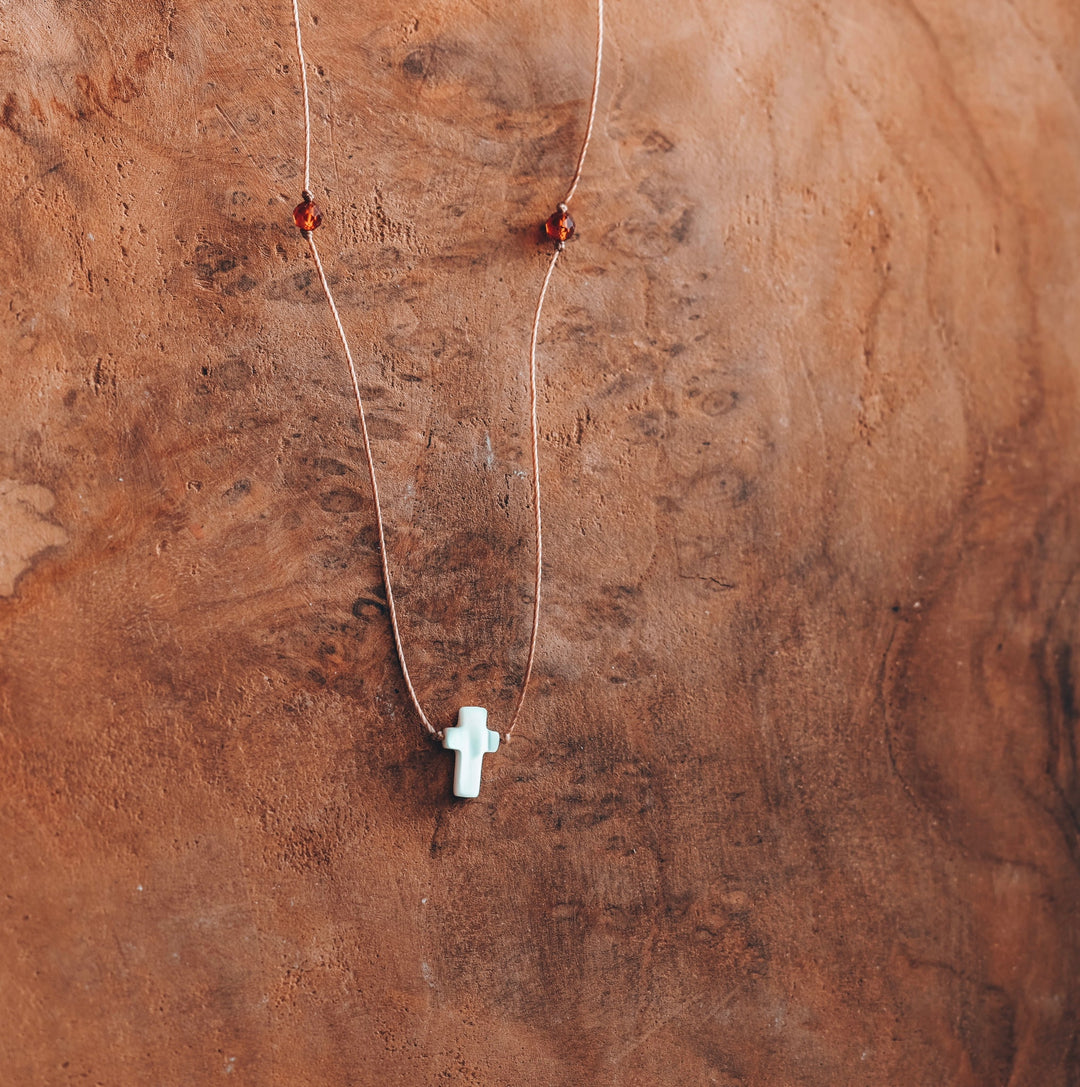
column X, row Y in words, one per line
column 592, row 103
column 437, row 733
column 536, row 496
column 307, row 101
column 534, row 420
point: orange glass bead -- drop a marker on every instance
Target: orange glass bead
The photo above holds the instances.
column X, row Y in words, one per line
column 307, row 215
column 560, row 226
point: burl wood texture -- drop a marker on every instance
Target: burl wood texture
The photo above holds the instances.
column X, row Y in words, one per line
column 795, row 798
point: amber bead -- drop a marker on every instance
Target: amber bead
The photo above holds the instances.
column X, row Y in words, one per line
column 307, row 215
column 560, row 226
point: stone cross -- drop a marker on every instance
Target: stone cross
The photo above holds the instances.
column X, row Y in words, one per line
column 471, row 740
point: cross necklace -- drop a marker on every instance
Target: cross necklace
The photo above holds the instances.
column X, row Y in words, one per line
column 470, row 739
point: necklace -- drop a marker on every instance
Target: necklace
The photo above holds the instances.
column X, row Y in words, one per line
column 470, row 739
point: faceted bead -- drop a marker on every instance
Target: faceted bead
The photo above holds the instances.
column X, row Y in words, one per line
column 560, row 226
column 307, row 215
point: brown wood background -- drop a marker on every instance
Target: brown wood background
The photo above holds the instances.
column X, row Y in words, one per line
column 795, row 801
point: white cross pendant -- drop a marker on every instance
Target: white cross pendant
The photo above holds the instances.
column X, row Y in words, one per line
column 470, row 740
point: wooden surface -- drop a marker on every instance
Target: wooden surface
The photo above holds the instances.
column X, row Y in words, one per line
column 795, row 799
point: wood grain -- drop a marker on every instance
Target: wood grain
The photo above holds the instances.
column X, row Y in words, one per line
column 795, row 800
